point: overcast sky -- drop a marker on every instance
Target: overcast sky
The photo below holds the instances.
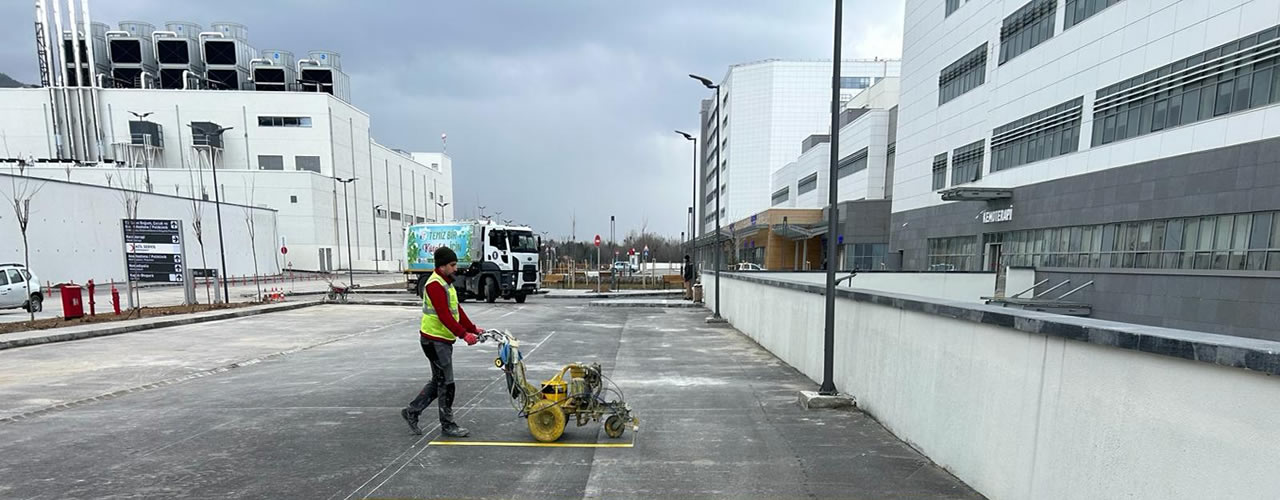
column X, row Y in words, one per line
column 551, row 106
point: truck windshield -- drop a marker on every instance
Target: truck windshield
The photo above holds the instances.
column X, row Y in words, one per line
column 523, row 242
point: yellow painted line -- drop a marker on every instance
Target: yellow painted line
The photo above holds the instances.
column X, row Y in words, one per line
column 525, row 444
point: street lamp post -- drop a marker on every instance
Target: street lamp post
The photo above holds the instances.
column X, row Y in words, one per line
column 695, row 178
column 146, row 146
column 351, row 265
column 375, row 236
column 440, row 210
column 217, row 204
column 828, row 387
column 718, row 244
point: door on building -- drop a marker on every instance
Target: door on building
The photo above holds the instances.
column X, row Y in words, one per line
column 995, row 262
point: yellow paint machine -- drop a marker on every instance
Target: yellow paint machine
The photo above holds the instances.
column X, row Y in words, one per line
column 578, row 391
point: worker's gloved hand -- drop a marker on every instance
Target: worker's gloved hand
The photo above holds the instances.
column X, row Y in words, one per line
column 469, row 338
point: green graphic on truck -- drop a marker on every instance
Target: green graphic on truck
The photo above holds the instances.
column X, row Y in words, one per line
column 422, row 242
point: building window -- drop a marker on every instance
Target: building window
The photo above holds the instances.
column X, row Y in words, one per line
column 782, row 195
column 270, row 162
column 864, row 256
column 1231, row 78
column 308, row 163
column 852, row 164
column 1042, row 135
column 966, row 163
column 395, row 215
column 953, row 254
column 284, row 121
column 293, row 198
column 855, row 82
column 966, row 74
column 940, row 172
column 1229, row 242
column 807, row 184
column 1079, row 10
column 952, row 5
column 421, row 220
column 1026, row 28
column 381, row 213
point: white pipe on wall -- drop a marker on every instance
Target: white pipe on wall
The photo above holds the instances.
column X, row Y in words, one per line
column 93, row 83
column 82, row 118
column 68, row 138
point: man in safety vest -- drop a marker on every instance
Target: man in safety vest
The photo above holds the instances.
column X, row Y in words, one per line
column 443, row 322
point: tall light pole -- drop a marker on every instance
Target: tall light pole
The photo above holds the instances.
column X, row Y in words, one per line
column 719, row 244
column 375, row 237
column 146, row 146
column 351, row 265
column 829, row 337
column 440, row 211
column 695, row 178
column 217, row 202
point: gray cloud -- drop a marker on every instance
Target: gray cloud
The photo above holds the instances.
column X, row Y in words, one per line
column 552, row 107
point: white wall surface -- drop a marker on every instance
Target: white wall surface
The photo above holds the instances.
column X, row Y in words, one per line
column 962, row 287
column 75, row 231
column 1119, row 42
column 1017, row 415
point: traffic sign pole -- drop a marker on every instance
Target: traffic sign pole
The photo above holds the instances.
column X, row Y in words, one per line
column 188, row 285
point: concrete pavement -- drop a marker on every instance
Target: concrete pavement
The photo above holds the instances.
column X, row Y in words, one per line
column 303, row 404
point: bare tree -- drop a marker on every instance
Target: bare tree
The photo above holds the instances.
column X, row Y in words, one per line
column 250, row 225
column 20, row 195
column 198, row 195
column 130, row 197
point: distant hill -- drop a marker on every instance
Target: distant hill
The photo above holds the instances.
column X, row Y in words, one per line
column 8, row 83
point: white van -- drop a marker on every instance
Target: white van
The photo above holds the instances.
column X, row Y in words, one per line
column 14, row 281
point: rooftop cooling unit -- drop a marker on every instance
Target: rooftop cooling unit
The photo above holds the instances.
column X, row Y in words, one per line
column 226, row 52
column 132, row 55
column 274, row 71
column 324, row 74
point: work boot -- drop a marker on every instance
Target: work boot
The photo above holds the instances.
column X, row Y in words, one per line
column 454, row 430
column 412, row 418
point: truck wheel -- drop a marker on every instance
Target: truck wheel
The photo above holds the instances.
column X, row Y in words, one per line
column 520, row 298
column 490, row 290
column 421, row 287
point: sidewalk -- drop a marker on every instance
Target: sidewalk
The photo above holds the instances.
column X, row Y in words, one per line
column 173, row 295
column 592, row 294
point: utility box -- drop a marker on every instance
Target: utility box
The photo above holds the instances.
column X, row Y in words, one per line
column 72, row 302
column 697, row 293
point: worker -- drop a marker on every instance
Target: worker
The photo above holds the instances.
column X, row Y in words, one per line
column 437, row 335
column 687, row 272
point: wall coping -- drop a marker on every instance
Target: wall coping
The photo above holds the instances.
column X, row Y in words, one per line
column 1224, row 350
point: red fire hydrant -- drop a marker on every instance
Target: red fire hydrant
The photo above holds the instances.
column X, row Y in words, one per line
column 115, row 299
column 92, row 312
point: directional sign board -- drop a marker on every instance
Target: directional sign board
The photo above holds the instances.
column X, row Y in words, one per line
column 153, row 250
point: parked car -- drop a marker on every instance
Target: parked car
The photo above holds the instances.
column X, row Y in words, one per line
column 747, row 266
column 623, row 266
column 13, row 289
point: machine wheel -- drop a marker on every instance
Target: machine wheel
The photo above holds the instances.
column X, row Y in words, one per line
column 421, row 287
column 520, row 297
column 613, row 426
column 35, row 304
column 490, row 290
column 546, row 421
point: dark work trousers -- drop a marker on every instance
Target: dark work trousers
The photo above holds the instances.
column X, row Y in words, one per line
column 440, row 388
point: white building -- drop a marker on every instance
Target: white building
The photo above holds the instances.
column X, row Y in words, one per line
column 866, row 158
column 768, row 108
column 1126, row 144
column 283, row 151
column 288, row 134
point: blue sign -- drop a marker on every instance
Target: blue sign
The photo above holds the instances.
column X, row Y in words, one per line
column 753, row 220
column 840, row 239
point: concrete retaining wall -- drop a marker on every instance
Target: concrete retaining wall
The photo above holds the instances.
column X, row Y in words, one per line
column 1030, row 405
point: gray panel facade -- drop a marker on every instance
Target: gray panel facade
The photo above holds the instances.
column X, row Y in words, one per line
column 1231, row 180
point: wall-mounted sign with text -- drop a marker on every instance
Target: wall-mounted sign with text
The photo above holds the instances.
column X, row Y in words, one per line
column 1002, row 215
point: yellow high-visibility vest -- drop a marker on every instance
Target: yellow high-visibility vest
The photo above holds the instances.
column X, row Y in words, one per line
column 431, row 324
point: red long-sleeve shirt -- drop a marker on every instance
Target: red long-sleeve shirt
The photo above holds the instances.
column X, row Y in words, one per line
column 439, row 298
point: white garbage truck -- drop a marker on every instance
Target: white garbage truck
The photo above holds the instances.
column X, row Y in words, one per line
column 494, row 260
